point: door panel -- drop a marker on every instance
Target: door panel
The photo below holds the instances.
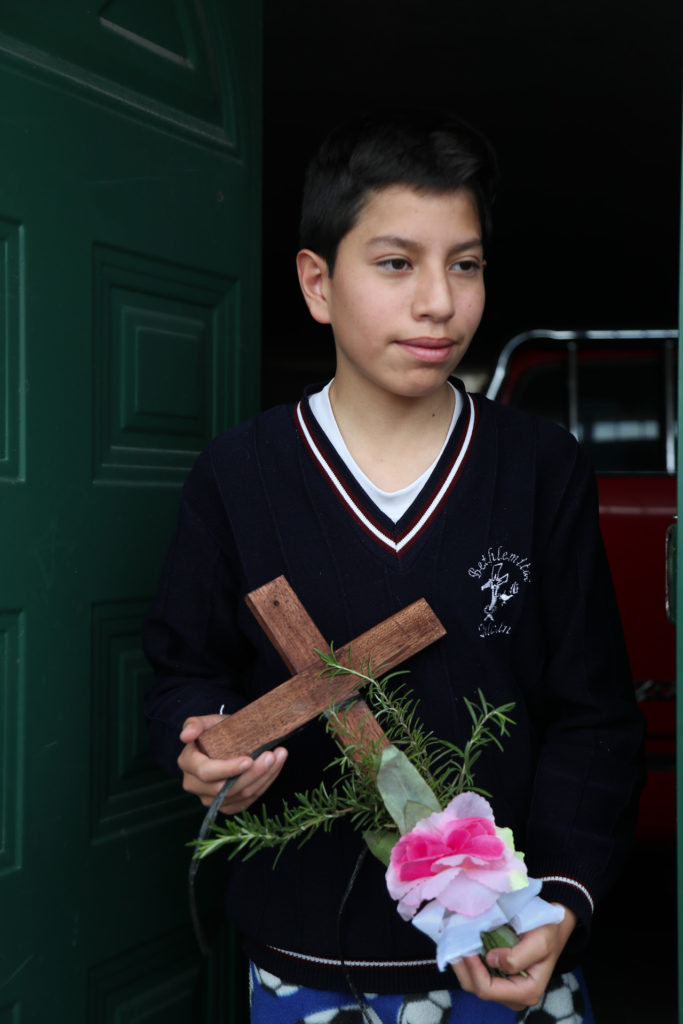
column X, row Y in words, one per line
column 174, row 63
column 128, row 337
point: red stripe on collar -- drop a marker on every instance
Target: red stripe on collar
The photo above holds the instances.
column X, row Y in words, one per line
column 436, row 494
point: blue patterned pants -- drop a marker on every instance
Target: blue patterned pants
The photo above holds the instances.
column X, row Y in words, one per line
column 274, row 1001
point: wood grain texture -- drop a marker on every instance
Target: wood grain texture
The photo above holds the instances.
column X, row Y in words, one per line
column 286, row 623
column 267, row 721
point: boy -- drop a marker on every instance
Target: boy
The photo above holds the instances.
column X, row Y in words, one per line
column 389, row 484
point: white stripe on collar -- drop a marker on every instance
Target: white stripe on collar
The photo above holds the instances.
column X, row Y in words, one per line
column 376, row 531
column 394, row 504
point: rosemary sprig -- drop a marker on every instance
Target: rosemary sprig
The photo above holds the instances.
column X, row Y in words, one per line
column 247, row 832
column 486, row 720
column 447, row 768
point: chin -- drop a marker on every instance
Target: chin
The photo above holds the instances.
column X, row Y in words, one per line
column 419, row 390
column 427, row 382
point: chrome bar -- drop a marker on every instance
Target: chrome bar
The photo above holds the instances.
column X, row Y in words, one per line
column 670, row 405
column 573, row 389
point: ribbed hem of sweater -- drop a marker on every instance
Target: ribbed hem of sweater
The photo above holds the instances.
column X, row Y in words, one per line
column 366, row 975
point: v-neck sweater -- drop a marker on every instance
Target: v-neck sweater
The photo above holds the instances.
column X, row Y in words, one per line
column 392, row 503
column 504, row 543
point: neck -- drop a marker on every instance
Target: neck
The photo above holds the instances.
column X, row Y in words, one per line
column 396, row 438
column 388, row 413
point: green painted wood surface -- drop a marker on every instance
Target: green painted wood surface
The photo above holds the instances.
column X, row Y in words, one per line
column 679, row 653
column 129, row 334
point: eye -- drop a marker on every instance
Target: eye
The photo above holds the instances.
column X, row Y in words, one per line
column 467, row 266
column 395, row 264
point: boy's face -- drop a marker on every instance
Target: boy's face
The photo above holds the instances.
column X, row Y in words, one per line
column 407, row 292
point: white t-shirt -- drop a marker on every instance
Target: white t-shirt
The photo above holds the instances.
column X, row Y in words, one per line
column 392, row 503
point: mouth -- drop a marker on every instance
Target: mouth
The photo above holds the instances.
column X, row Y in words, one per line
column 428, row 350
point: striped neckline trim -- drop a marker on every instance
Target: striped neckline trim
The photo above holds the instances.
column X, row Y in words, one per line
column 390, row 541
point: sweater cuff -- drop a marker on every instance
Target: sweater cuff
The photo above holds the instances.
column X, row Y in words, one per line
column 165, row 721
column 576, row 896
column 570, row 892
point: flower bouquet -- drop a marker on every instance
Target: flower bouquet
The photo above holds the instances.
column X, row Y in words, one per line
column 455, row 874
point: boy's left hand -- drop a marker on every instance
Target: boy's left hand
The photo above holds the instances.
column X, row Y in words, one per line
column 536, row 953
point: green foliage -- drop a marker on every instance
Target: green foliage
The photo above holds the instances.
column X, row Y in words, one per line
column 404, row 792
column 246, row 833
column 445, row 769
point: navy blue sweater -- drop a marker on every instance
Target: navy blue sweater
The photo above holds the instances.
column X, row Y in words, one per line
column 504, row 544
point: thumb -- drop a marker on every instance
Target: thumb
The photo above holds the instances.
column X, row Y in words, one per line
column 195, row 726
column 493, row 959
column 505, row 960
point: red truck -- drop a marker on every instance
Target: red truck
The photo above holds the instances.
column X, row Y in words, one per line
column 616, row 392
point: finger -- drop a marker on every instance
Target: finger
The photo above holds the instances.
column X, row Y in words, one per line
column 208, row 789
column 540, row 946
column 472, row 974
column 208, row 769
column 204, row 777
column 193, row 727
column 255, row 781
column 252, row 780
column 515, row 960
column 516, row 992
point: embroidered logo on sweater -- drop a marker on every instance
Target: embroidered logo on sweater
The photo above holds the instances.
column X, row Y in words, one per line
column 501, row 574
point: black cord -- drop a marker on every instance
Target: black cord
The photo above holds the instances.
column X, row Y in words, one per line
column 352, row 988
column 209, row 819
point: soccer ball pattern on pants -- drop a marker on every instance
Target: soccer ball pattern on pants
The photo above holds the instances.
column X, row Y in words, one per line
column 274, row 1001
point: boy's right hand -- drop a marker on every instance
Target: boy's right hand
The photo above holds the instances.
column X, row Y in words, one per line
column 205, row 776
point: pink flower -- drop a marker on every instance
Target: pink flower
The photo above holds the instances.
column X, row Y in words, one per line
column 458, row 857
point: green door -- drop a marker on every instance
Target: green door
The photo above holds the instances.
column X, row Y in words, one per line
column 129, row 248
column 679, row 646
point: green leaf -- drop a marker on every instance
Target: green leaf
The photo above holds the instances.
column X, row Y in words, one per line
column 406, row 795
column 381, row 843
column 499, row 937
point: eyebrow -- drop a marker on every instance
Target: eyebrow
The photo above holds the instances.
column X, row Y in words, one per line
column 398, row 242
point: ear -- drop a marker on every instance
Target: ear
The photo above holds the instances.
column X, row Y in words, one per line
column 314, row 279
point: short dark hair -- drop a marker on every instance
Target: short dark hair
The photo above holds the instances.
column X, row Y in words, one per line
column 432, row 152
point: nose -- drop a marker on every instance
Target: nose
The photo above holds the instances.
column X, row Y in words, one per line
column 433, row 296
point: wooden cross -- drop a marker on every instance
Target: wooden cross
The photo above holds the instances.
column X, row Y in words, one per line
column 268, row 720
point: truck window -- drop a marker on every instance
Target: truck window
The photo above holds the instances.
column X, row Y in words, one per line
column 620, row 407
column 543, row 389
column 621, row 415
